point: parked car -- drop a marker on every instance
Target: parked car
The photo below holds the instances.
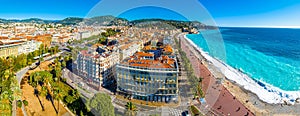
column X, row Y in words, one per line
column 185, row 113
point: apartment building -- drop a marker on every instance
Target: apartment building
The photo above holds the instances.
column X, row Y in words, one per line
column 127, row 50
column 97, row 64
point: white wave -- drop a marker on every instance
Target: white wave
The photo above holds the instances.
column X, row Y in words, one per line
column 265, row 92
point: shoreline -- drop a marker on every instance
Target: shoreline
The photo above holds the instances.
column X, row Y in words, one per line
column 218, row 99
column 244, row 96
column 271, row 94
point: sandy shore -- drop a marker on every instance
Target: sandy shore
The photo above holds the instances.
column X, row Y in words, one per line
column 229, row 89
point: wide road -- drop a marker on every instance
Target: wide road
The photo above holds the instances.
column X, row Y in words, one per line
column 73, row 81
column 89, row 92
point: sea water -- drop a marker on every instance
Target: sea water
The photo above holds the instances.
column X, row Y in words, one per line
column 268, row 55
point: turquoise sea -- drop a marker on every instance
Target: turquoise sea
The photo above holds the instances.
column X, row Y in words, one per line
column 268, row 55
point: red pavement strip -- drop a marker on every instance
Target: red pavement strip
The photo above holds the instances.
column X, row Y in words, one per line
column 217, row 97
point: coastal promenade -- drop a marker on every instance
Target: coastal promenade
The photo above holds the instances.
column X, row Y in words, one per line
column 218, row 99
column 248, row 99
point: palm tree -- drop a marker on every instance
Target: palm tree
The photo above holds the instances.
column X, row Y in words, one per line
column 131, row 109
column 76, row 93
column 11, row 63
column 58, row 96
column 56, row 60
column 58, row 70
column 67, row 58
column 15, row 88
column 63, row 64
column 36, row 93
column 36, row 79
column 4, row 78
column 6, row 74
column 199, row 90
column 47, row 79
column 5, row 104
column 43, row 92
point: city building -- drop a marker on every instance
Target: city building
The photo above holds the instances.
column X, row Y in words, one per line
column 29, row 46
column 16, row 47
column 97, row 64
column 150, row 75
column 9, row 48
column 127, row 50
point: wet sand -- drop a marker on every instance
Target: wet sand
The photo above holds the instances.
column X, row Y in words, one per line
column 226, row 97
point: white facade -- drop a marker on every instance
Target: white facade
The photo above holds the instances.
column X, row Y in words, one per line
column 29, row 46
column 97, row 66
column 128, row 51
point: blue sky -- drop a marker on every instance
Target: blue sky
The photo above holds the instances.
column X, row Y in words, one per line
column 254, row 12
column 224, row 12
column 46, row 9
column 151, row 12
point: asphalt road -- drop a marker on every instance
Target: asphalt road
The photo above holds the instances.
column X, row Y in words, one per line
column 89, row 92
column 73, row 80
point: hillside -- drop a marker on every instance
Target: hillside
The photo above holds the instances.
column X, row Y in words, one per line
column 111, row 20
column 31, row 20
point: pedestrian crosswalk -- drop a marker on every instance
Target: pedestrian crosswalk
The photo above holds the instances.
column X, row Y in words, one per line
column 166, row 111
column 162, row 111
column 174, row 112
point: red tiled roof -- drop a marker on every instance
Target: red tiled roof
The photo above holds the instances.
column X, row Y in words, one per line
column 85, row 53
column 141, row 54
column 2, row 37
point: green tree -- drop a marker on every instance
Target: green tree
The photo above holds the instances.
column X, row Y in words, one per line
column 58, row 95
column 25, row 102
column 131, row 109
column 19, row 103
column 14, row 86
column 46, row 77
column 63, row 64
column 102, row 40
column 69, row 99
column 7, row 74
column 43, row 92
column 70, row 48
column 101, row 105
column 75, row 93
column 5, row 104
column 56, row 50
column 41, row 49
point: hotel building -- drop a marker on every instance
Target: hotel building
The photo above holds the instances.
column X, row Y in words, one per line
column 151, row 75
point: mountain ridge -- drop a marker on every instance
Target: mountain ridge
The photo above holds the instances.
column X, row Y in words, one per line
column 109, row 20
